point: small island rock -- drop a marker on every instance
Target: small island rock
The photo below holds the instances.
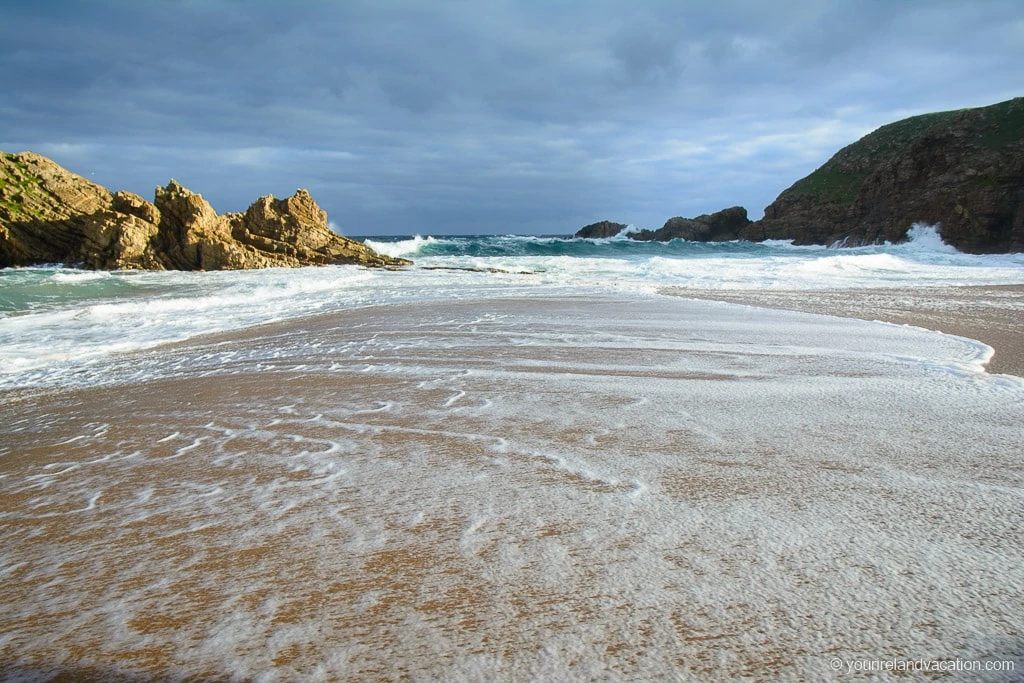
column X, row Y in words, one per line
column 600, row 230
column 722, row 226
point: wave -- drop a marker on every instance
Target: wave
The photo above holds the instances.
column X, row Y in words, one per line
column 54, row 321
column 418, row 246
column 46, row 322
column 402, row 248
column 922, row 241
column 926, row 238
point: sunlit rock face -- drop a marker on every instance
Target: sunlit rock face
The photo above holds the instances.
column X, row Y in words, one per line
column 50, row 215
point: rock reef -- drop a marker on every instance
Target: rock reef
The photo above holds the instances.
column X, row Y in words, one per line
column 601, row 230
column 721, row 226
column 50, row 215
column 960, row 170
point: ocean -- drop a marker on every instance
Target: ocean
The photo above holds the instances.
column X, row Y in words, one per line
column 66, row 327
column 521, row 458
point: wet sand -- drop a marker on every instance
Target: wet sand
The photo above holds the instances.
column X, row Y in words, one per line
column 561, row 489
column 994, row 315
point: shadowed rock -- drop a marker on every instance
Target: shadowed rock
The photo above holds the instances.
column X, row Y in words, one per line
column 962, row 170
column 600, row 230
column 727, row 224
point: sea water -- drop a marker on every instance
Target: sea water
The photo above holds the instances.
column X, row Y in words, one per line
column 59, row 325
column 515, row 460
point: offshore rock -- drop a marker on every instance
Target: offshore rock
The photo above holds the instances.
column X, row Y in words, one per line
column 49, row 215
column 600, row 230
column 722, row 226
column 961, row 170
column 727, row 224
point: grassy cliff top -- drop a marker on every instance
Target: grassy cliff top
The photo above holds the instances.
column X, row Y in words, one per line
column 985, row 131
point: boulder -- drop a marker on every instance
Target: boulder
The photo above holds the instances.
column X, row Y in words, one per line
column 296, row 228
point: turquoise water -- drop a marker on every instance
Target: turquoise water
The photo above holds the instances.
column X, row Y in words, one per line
column 53, row 320
column 559, row 245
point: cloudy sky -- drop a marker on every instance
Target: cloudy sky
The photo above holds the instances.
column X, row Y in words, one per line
column 461, row 116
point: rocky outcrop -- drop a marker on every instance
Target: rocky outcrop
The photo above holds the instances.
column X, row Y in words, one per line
column 727, row 224
column 600, row 230
column 961, row 170
column 50, row 215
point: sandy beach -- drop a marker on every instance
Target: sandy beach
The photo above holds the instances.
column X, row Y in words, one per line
column 993, row 315
column 511, row 342
column 543, row 489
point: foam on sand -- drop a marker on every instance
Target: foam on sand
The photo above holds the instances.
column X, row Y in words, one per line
column 540, row 488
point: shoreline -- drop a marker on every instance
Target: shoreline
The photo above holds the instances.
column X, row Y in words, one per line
column 357, row 491
column 991, row 314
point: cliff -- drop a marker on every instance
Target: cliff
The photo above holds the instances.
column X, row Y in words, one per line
column 961, row 170
column 50, row 215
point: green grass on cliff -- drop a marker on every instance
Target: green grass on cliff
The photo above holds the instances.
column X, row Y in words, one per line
column 13, row 207
column 8, row 194
column 829, row 186
column 839, row 180
column 14, row 186
column 1006, row 127
column 993, row 128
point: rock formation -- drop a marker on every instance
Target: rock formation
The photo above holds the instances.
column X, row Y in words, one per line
column 600, row 230
column 50, row 215
column 961, row 170
column 727, row 224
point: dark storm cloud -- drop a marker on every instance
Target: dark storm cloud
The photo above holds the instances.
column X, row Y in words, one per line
column 487, row 115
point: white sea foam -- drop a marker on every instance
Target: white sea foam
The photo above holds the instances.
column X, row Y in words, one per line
column 923, row 237
column 59, row 325
column 614, row 486
column 78, row 276
column 401, row 248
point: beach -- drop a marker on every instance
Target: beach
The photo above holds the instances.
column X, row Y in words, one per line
column 511, row 342
column 609, row 486
column 992, row 314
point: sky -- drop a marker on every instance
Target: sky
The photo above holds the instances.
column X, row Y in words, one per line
column 486, row 116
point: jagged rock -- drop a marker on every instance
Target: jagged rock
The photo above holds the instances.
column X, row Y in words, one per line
column 113, row 240
column 189, row 229
column 722, row 226
column 296, row 228
column 962, row 170
column 600, row 230
column 50, row 215
column 134, row 205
